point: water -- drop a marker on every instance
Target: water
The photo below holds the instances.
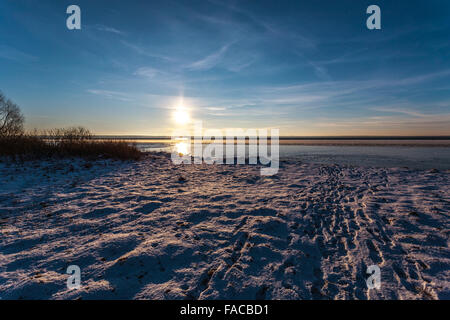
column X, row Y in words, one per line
column 416, row 156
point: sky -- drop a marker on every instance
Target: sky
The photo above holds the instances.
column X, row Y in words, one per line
column 308, row 68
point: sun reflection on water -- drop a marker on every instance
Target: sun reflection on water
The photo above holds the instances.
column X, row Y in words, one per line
column 183, row 148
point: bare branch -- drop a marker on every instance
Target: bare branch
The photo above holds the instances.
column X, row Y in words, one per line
column 11, row 118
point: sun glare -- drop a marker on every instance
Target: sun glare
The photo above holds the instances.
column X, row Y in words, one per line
column 181, row 115
column 182, row 148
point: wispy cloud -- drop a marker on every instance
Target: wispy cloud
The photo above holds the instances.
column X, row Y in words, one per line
column 215, row 108
column 148, row 72
column 382, row 122
column 345, row 87
column 146, row 52
column 351, row 97
column 100, row 27
column 111, row 94
column 270, row 28
column 209, row 61
column 408, row 112
column 422, row 78
column 320, row 71
column 13, row 54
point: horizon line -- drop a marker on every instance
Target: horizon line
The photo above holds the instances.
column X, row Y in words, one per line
column 343, row 137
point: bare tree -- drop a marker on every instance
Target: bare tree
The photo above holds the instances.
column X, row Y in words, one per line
column 11, row 118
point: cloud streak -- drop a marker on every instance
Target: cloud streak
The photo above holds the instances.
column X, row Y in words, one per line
column 209, row 61
column 111, row 94
column 100, row 27
column 13, row 54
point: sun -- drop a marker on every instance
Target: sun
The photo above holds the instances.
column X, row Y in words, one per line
column 181, row 115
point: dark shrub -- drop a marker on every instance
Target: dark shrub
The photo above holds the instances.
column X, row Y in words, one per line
column 72, row 142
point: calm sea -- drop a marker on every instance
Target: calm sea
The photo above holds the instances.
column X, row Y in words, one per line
column 417, row 153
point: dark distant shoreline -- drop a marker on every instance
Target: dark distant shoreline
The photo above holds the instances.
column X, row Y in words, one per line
column 407, row 141
column 120, row 137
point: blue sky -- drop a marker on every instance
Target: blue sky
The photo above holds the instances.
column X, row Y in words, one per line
column 305, row 67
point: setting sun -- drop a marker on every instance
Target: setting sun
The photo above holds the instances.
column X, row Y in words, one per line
column 181, row 115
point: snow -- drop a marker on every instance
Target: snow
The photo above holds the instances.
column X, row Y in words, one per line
column 154, row 230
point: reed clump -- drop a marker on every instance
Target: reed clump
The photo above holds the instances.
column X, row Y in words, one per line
column 65, row 142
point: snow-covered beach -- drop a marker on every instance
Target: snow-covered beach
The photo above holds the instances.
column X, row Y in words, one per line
column 154, row 230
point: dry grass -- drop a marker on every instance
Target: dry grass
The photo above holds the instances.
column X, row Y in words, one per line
column 72, row 142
